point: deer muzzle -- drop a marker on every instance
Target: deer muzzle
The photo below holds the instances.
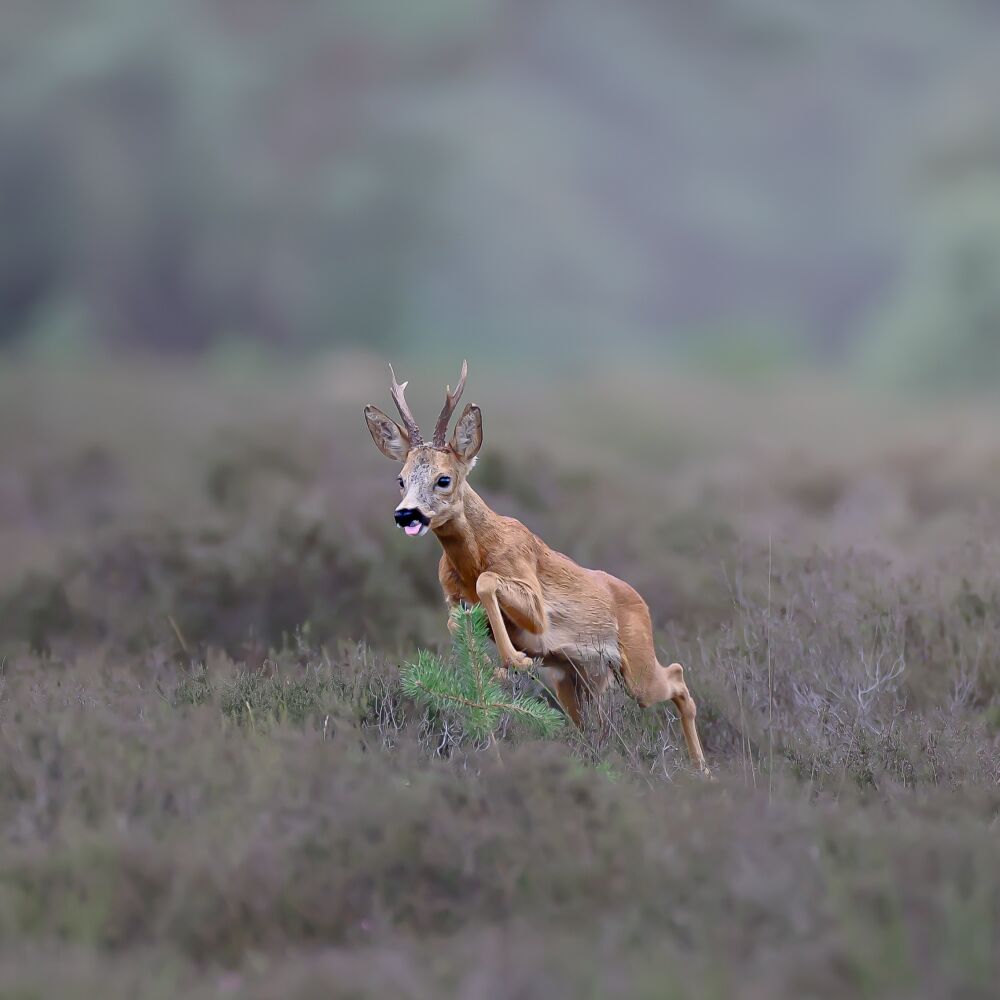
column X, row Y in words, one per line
column 412, row 521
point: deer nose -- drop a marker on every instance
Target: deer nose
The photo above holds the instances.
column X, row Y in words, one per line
column 406, row 516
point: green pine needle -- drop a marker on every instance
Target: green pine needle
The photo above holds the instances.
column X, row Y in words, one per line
column 465, row 686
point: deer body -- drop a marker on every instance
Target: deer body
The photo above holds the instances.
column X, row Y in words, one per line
column 583, row 624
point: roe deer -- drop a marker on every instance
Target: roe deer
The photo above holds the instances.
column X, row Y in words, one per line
column 583, row 624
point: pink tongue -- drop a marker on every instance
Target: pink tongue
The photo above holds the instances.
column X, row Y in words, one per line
column 413, row 529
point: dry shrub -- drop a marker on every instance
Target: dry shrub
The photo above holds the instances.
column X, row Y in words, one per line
column 211, row 783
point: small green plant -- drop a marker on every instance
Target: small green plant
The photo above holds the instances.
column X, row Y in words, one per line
column 465, row 685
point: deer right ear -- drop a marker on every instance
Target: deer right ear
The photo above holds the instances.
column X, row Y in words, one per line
column 468, row 436
column 389, row 437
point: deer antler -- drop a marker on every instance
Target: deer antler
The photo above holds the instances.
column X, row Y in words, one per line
column 409, row 424
column 450, row 402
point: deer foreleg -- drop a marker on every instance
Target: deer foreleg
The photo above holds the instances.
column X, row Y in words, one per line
column 521, row 604
column 451, row 584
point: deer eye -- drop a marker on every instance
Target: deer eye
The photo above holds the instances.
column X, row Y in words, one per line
column 402, row 485
column 444, row 482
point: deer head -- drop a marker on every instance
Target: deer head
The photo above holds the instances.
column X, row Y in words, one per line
column 432, row 480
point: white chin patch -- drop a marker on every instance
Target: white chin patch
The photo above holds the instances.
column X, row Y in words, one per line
column 417, row 530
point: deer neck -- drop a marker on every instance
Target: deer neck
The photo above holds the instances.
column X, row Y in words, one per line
column 466, row 537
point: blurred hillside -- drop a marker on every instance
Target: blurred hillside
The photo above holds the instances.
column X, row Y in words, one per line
column 787, row 178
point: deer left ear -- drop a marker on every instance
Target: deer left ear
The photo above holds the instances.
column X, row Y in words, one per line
column 468, row 436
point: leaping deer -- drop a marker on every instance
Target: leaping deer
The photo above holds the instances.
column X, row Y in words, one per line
column 583, row 624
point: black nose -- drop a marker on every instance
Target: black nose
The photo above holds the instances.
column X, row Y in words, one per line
column 406, row 516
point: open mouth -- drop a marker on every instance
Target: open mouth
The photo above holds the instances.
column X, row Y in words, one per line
column 413, row 522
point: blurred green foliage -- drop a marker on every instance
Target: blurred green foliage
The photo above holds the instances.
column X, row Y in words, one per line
column 941, row 328
column 564, row 180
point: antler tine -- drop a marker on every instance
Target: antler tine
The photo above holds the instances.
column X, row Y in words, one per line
column 450, row 402
column 410, row 425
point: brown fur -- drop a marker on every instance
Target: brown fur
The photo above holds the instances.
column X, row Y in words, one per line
column 583, row 624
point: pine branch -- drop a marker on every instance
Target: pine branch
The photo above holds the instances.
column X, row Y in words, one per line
column 545, row 719
column 466, row 685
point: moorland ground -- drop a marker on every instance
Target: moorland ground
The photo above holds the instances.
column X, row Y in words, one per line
column 210, row 783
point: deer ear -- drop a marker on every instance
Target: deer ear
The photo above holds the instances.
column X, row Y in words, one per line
column 468, row 436
column 389, row 437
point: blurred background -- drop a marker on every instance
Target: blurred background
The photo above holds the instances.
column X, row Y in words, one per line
column 746, row 183
column 727, row 276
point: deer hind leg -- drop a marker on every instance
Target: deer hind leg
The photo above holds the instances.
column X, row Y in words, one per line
column 686, row 708
column 520, row 603
column 561, row 680
column 574, row 687
column 650, row 683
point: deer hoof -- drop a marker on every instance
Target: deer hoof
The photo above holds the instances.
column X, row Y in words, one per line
column 520, row 662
